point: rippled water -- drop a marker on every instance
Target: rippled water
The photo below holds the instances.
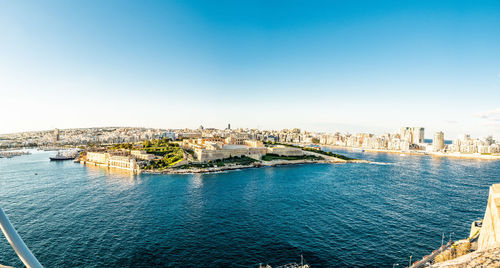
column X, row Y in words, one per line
column 335, row 215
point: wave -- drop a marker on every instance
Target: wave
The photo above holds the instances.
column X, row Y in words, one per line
column 381, row 163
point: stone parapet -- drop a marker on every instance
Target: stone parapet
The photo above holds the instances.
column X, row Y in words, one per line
column 489, row 236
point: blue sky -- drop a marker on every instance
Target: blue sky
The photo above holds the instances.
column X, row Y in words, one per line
column 358, row 66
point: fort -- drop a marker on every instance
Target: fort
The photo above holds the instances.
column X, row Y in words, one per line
column 201, row 155
column 211, row 149
column 109, row 160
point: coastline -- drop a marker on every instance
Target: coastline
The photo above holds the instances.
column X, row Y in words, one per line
column 185, row 166
column 13, row 153
column 421, row 153
column 273, row 163
column 229, row 167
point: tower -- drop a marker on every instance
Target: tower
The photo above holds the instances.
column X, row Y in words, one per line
column 438, row 141
column 56, row 135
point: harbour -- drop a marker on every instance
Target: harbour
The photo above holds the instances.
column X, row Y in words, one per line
column 270, row 134
column 357, row 215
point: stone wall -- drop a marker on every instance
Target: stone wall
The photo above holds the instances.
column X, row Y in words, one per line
column 97, row 157
column 285, row 151
column 489, row 236
column 112, row 161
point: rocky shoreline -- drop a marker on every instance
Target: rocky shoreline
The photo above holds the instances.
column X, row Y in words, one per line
column 10, row 154
column 475, row 156
column 253, row 165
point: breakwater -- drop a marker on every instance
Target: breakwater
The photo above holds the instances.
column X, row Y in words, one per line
column 10, row 154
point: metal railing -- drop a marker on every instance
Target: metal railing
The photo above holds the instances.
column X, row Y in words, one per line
column 17, row 242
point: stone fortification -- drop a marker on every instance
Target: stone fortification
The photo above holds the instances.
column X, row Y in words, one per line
column 489, row 235
column 487, row 253
column 111, row 161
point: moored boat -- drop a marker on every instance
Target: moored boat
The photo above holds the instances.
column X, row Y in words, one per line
column 64, row 155
column 60, row 158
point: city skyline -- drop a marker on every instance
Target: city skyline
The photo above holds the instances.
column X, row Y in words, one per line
column 319, row 66
column 428, row 136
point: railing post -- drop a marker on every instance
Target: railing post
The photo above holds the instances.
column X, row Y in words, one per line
column 17, row 242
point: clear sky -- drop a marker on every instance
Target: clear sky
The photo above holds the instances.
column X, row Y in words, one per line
column 357, row 66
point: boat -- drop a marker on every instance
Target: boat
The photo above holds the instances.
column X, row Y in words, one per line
column 358, row 150
column 289, row 265
column 59, row 157
column 64, row 155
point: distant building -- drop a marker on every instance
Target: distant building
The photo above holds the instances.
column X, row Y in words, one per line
column 413, row 135
column 418, row 135
column 285, row 151
column 405, row 133
column 438, row 141
column 210, row 149
column 169, row 135
column 190, row 135
column 228, row 126
column 56, row 135
column 112, row 161
column 142, row 155
column 271, row 138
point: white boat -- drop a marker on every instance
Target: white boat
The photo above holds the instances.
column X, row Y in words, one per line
column 290, row 265
column 65, row 155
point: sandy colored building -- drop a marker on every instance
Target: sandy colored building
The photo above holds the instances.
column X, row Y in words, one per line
column 112, row 161
column 141, row 155
column 285, row 151
column 211, row 149
column 210, row 153
column 438, row 141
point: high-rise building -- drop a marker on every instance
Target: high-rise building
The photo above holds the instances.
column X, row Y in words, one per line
column 418, row 135
column 228, row 126
column 414, row 135
column 438, row 141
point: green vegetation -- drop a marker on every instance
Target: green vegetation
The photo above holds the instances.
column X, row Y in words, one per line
column 244, row 160
column 161, row 148
column 455, row 251
column 191, row 152
column 271, row 157
column 319, row 151
column 269, row 143
column 171, row 153
column 126, row 146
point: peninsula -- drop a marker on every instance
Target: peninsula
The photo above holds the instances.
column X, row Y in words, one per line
column 204, row 155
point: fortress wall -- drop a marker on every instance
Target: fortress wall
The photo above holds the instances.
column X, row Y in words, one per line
column 285, row 151
column 489, row 236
